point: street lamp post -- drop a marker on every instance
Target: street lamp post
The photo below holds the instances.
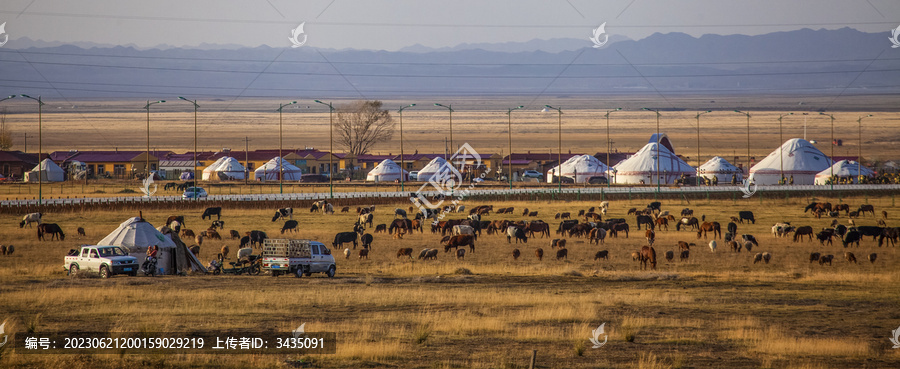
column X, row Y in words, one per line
column 608, row 147
column 859, row 149
column 281, row 147
column 331, row 149
column 451, row 123
column 40, row 143
column 748, row 138
column 559, row 152
column 509, row 136
column 781, row 142
column 658, row 144
column 402, row 188
column 832, row 148
column 147, row 107
column 196, row 179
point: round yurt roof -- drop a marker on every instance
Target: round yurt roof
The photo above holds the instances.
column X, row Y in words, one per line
column 645, row 160
column 798, row 157
column 135, row 234
column 718, row 165
column 582, row 166
column 434, row 166
column 387, row 166
column 846, row 168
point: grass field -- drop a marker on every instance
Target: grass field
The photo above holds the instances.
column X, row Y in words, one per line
column 717, row 309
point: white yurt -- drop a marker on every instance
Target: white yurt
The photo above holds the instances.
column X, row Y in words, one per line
column 386, row 171
column 224, row 169
column 642, row 166
column 580, row 168
column 48, row 172
column 272, row 169
column 720, row 168
column 135, row 235
column 799, row 158
column 432, row 168
column 844, row 169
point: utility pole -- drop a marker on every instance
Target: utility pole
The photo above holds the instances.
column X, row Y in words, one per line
column 246, row 159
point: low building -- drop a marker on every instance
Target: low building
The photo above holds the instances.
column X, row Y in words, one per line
column 13, row 164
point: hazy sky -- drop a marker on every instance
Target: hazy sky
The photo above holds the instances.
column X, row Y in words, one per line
column 389, row 25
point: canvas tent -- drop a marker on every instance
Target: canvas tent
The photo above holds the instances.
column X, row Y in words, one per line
column 642, row 166
column 721, row 169
column 432, row 168
column 135, row 235
column 580, row 168
column 843, row 169
column 48, row 171
column 798, row 157
column 386, row 171
column 272, row 169
column 224, row 169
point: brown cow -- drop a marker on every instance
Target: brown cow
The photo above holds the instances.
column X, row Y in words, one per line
column 364, row 253
column 850, row 257
column 872, row 257
column 345, row 209
column 516, row 253
column 187, row 233
column 539, row 253
column 826, row 259
column 381, row 228
column 683, row 245
column 602, row 254
column 736, row 247
column 648, row 255
column 195, row 250
column 235, row 235
column 561, row 243
column 562, row 254
column 592, row 217
column 670, row 255
column 533, row 214
column 211, row 234
column 224, row 252
column 457, row 241
column 685, row 255
column 405, row 252
column 814, row 256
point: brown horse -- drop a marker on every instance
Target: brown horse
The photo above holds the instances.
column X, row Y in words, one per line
column 662, row 223
column 648, row 255
column 803, row 231
column 713, row 227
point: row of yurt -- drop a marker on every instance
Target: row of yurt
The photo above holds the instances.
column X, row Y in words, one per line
column 580, row 168
column 844, row 169
column 135, row 235
column 272, row 170
column 387, row 171
column 721, row 170
column 796, row 158
column 435, row 166
column 224, row 169
column 641, row 168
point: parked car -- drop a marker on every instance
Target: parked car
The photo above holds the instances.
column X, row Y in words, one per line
column 414, row 175
column 598, row 180
column 193, row 193
column 105, row 260
column 313, row 178
column 532, row 174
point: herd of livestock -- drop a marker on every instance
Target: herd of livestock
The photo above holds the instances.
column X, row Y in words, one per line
column 591, row 225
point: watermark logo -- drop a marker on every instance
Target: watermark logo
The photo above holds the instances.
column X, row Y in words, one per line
column 745, row 188
column 146, row 187
column 5, row 35
column 448, row 181
column 596, row 333
column 895, row 34
column 600, row 31
column 299, row 331
column 2, row 333
column 295, row 36
column 895, row 339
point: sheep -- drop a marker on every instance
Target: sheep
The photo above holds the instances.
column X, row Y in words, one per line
column 602, row 254
column 766, row 257
column 872, row 256
column 850, row 257
column 635, row 256
column 432, row 254
column 235, row 235
column 734, row 246
column 685, row 255
column 187, row 233
column 11, row 248
column 195, row 249
column 826, row 259
column 539, row 253
column 460, row 254
column 224, row 252
column 604, row 205
column 560, row 243
column 712, row 246
column 364, row 253
column 516, row 253
column 2, row 249
column 748, row 245
column 405, row 252
column 670, row 255
column 757, row 258
column 814, row 257
column 199, row 239
column 423, row 253
column 242, row 253
column 562, row 254
column 346, row 253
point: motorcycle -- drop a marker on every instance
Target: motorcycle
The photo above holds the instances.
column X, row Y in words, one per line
column 149, row 266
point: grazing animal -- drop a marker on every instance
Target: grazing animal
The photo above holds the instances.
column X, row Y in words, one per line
column 598, row 235
column 757, row 258
column 863, row 209
column 750, row 238
column 400, row 225
column 748, row 246
column 209, row 212
column 381, row 228
column 825, row 236
column 80, row 232
column 748, row 215
column 644, row 219
column 217, row 224
column 687, row 212
column 367, row 218
column 366, row 241
column 872, row 257
column 235, row 235
column 851, row 237
column 712, row 245
column 460, row 254
column 10, row 249
column 283, row 213
column 604, row 205
column 525, row 212
column 517, row 233
column 31, row 218
column 346, row 253
column 364, row 253
column 766, row 257
column 516, row 253
column 344, row 237
column 632, row 211
column 187, row 233
column 533, row 214
column 561, row 243
column 346, row 209
column 400, row 213
column 650, row 235
column 458, row 241
column 539, row 254
column 562, row 254
column 199, row 239
column 884, row 215
column 826, row 259
column 245, row 241
column 803, row 231
column 290, row 225
column 602, row 254
column 814, row 256
column 713, row 227
column 431, row 255
column 782, row 229
column 211, row 234
column 670, row 255
column 257, row 237
column 244, row 253
column 648, row 256
column 3, row 250
column 620, row 227
column 195, row 249
column 688, row 222
column 566, row 215
column 850, row 257
column 683, row 245
column 662, row 223
column 407, row 251
column 53, row 229
column 685, row 255
column 224, row 251
column 463, row 229
column 175, row 218
column 853, row 214
column 844, row 207
column 732, row 227
column 734, row 246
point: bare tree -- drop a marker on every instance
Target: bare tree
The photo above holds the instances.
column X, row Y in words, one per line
column 363, row 124
column 6, row 139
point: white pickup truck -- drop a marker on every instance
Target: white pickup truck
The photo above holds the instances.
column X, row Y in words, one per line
column 106, row 260
column 297, row 257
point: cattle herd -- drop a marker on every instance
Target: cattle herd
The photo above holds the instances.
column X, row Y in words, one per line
column 460, row 235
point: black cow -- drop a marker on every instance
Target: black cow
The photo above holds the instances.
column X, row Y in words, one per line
column 257, row 237
column 341, row 238
column 565, row 225
column 732, row 228
column 871, row 231
column 399, row 224
column 53, row 229
column 851, row 237
column 518, row 233
column 209, row 212
column 290, row 225
column 644, row 219
column 655, row 205
column 748, row 215
column 245, row 241
column 283, row 213
column 367, row 241
column 750, row 238
column 840, row 230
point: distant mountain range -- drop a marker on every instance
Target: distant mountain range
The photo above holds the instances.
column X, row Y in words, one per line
column 838, row 62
